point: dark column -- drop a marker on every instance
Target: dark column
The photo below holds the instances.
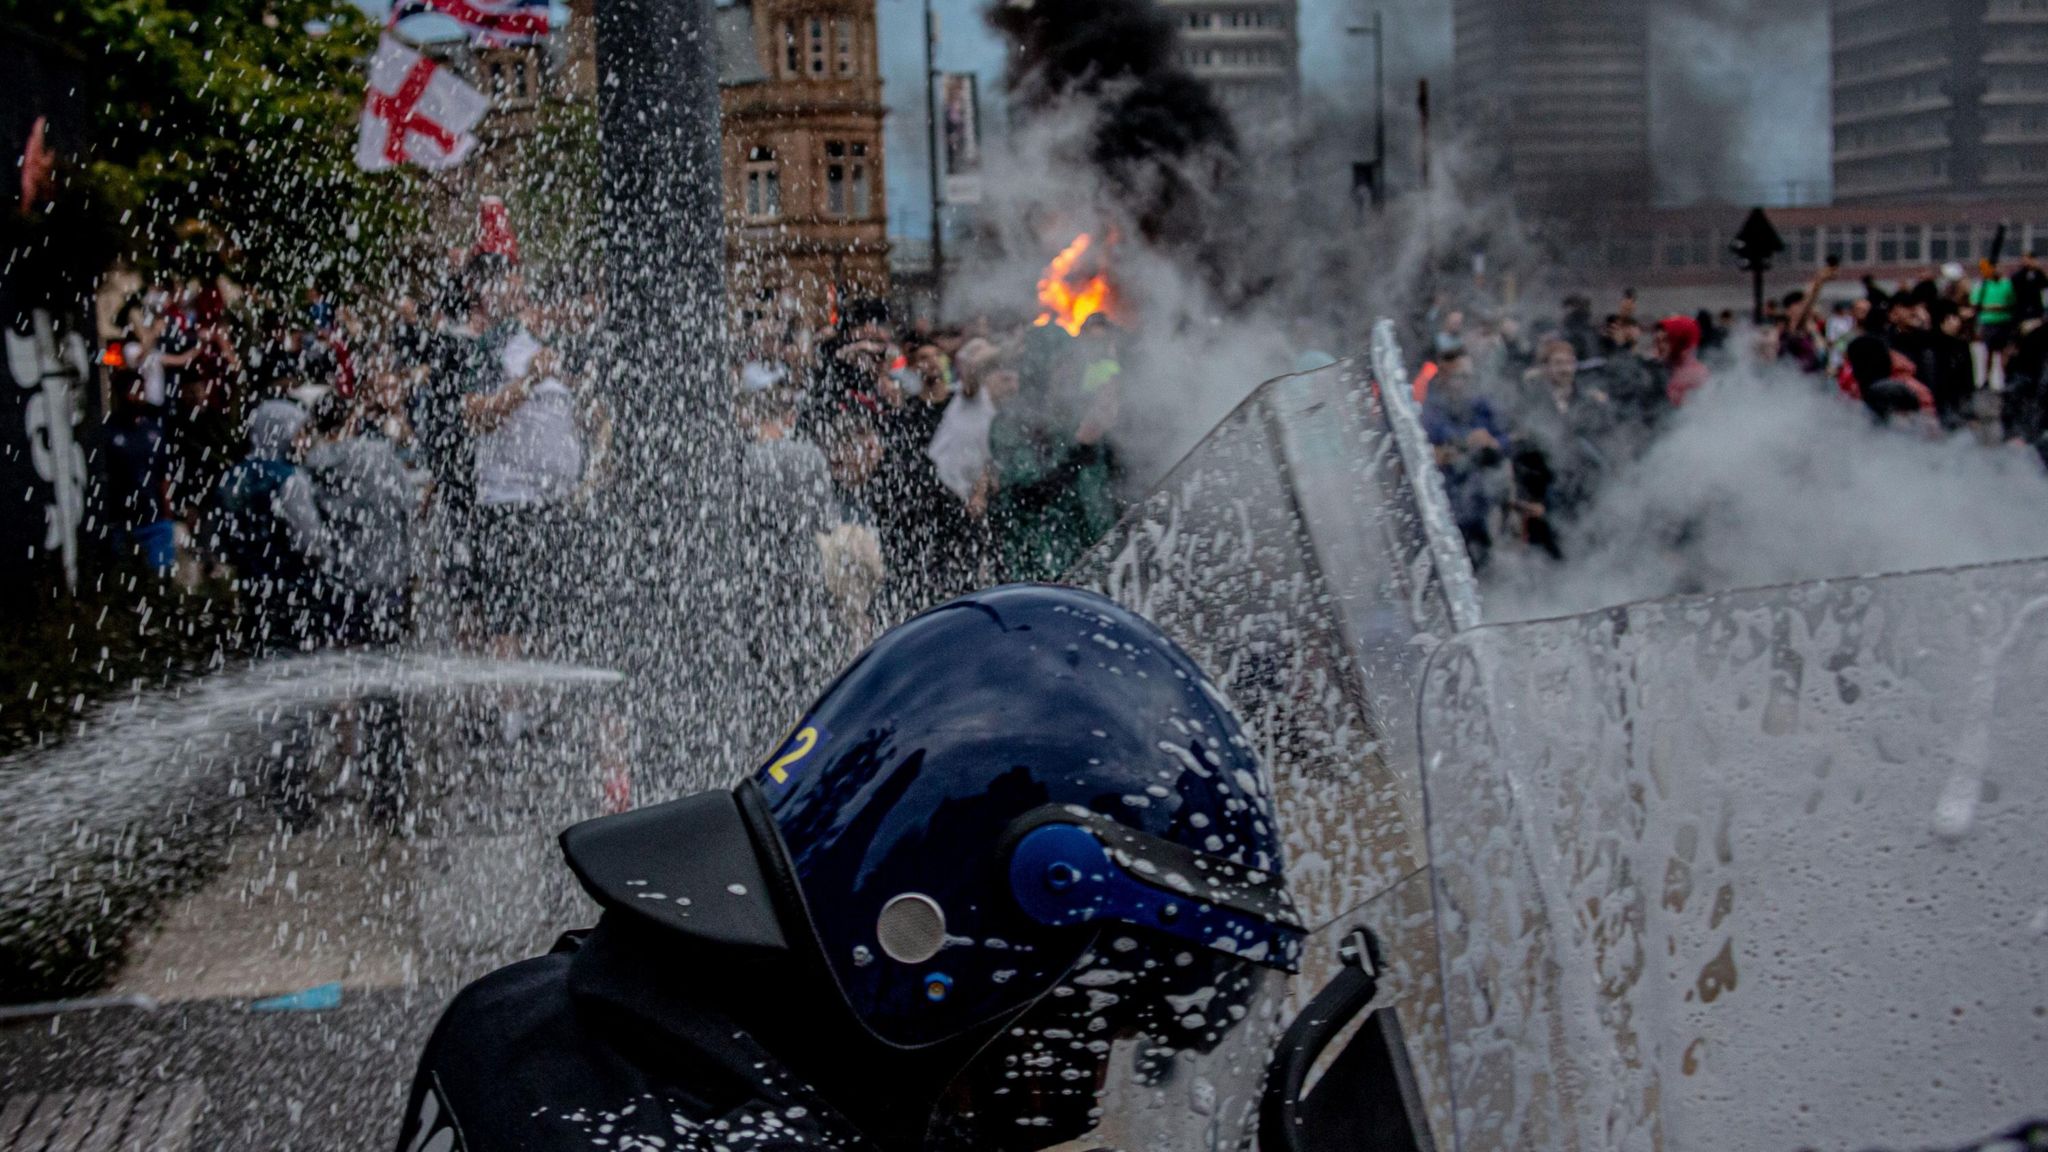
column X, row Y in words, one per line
column 657, row 553
column 1966, row 96
column 657, row 86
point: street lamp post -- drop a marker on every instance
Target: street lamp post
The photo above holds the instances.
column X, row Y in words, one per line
column 931, row 115
column 1377, row 30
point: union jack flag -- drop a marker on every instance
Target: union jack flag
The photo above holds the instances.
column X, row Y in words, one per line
column 491, row 23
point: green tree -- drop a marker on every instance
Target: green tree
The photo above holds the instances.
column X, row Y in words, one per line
column 222, row 132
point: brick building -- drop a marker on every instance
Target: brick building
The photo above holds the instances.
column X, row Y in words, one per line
column 801, row 100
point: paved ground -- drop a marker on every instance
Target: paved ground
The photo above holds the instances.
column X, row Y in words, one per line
column 325, row 1080
column 398, row 892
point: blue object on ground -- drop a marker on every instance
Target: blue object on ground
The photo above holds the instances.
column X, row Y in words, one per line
column 315, row 999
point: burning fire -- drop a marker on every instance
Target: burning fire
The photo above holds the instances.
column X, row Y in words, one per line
column 1067, row 304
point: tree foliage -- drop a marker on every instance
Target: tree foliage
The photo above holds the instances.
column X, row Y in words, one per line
column 221, row 135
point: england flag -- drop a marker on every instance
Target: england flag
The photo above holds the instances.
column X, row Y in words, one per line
column 415, row 111
column 490, row 23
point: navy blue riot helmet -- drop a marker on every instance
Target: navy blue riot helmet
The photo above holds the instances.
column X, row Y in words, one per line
column 1028, row 794
column 1001, row 774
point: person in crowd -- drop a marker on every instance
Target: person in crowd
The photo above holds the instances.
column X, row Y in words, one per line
column 205, row 413
column 1882, row 379
column 1800, row 339
column 852, row 363
column 464, row 359
column 1517, row 353
column 2024, row 404
column 1843, row 324
column 921, row 522
column 1469, row 442
column 137, row 491
column 959, row 448
column 1054, row 481
column 529, row 464
column 851, row 551
column 1559, row 457
column 1634, row 390
column 1450, row 334
column 264, row 520
column 385, row 398
column 1946, row 367
column 1577, row 328
column 1992, row 301
column 2029, row 293
column 1678, row 344
column 368, row 501
column 784, row 498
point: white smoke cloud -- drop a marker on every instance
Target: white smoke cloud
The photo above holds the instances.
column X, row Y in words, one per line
column 1771, row 477
column 1739, row 106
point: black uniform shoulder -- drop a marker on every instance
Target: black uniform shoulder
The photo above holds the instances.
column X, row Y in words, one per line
column 588, row 1045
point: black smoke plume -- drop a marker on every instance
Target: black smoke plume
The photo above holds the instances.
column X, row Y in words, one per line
column 1158, row 138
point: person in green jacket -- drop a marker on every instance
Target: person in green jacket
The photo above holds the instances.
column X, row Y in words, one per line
column 1993, row 300
column 1055, row 490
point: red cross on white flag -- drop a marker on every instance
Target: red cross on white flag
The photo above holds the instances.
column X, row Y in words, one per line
column 416, row 110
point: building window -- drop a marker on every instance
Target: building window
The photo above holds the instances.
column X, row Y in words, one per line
column 849, row 180
column 1808, row 246
column 1674, row 250
column 817, row 47
column 1937, row 243
column 835, row 178
column 764, row 185
column 1909, row 243
column 792, row 62
column 862, row 198
column 2037, row 239
column 1859, row 244
column 1888, row 244
column 1960, row 248
column 842, row 45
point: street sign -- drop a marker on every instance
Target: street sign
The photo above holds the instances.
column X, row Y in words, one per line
column 1754, row 245
column 1757, row 242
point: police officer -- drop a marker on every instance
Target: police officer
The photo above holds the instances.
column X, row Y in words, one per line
column 1013, row 883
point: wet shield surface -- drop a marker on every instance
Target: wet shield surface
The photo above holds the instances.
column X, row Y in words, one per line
column 1295, row 557
column 1760, row 870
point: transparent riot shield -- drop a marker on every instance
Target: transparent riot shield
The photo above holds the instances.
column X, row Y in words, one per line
column 1295, row 554
column 1761, row 870
column 1303, row 553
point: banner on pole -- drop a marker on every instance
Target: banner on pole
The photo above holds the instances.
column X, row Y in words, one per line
column 960, row 135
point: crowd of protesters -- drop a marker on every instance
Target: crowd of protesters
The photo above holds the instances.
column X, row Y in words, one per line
column 1529, row 421
column 332, row 459
column 329, row 461
column 945, row 458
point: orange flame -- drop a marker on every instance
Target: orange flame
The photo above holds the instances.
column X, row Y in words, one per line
column 1067, row 304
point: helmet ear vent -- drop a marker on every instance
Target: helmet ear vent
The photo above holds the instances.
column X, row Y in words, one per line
column 911, row 928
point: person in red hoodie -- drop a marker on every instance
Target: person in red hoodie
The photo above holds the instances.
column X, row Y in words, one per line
column 1678, row 341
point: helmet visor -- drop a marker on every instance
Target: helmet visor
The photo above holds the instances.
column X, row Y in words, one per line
column 1143, row 1045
